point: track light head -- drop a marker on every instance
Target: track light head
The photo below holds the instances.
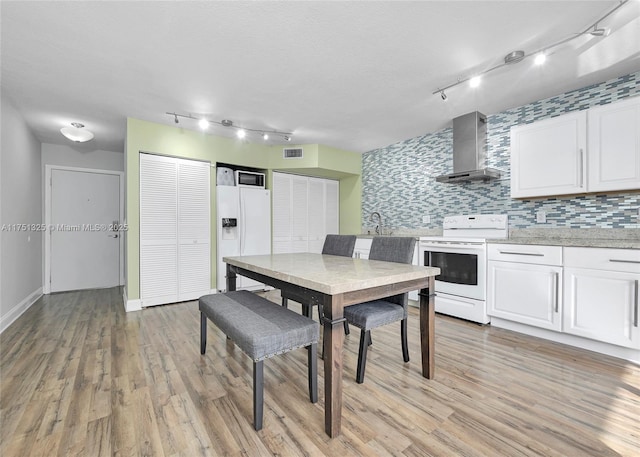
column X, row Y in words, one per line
column 443, row 95
column 176, row 118
column 600, row 31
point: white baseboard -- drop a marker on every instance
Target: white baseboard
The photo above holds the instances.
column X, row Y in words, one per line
column 19, row 309
column 130, row 305
column 632, row 355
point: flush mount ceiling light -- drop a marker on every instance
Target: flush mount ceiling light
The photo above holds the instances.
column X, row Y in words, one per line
column 241, row 132
column 541, row 54
column 76, row 133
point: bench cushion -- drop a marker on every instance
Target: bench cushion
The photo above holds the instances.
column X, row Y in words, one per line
column 258, row 326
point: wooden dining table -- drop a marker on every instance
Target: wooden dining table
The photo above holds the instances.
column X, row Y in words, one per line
column 336, row 282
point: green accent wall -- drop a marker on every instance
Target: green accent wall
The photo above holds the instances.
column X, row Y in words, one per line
column 318, row 160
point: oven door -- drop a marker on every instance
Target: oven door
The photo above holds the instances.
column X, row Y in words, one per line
column 462, row 266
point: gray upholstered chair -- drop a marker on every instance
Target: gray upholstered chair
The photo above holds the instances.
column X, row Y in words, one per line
column 341, row 245
column 369, row 315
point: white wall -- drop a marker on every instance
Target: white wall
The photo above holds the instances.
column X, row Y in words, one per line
column 80, row 157
column 20, row 203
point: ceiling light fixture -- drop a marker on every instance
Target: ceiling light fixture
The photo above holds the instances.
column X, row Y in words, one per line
column 518, row 56
column 76, row 133
column 241, row 132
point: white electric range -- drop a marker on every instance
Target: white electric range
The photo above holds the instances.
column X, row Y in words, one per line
column 461, row 255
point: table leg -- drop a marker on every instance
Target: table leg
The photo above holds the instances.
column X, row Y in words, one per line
column 231, row 279
column 333, row 343
column 427, row 328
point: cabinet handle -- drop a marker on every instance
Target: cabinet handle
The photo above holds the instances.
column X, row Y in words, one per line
column 555, row 288
column 624, row 261
column 535, row 254
column 581, row 167
column 635, row 313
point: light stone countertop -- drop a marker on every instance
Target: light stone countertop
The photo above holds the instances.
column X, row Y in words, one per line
column 331, row 274
column 592, row 238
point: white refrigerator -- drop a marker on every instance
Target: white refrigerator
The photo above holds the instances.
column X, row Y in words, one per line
column 243, row 226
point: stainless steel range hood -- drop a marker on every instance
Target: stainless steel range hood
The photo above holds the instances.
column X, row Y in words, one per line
column 470, row 150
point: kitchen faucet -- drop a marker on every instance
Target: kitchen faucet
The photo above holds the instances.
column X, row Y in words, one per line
column 379, row 226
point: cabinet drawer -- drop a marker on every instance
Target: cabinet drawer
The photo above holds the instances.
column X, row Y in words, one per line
column 526, row 253
column 627, row 260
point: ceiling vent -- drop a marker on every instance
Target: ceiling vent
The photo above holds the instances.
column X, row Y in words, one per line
column 292, row 153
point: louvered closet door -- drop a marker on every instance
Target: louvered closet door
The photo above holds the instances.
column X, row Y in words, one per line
column 332, row 206
column 299, row 226
column 194, row 246
column 316, row 215
column 158, row 230
column 281, row 213
column 174, row 229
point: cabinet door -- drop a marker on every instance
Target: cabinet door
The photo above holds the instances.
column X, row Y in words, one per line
column 548, row 157
column 362, row 248
column 614, row 146
column 602, row 305
column 525, row 293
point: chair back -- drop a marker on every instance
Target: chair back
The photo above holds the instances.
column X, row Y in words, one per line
column 394, row 249
column 339, row 245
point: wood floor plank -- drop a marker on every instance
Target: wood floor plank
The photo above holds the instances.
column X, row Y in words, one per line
column 79, row 376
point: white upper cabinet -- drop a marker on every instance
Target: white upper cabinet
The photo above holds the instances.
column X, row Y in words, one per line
column 548, row 157
column 593, row 150
column 614, row 146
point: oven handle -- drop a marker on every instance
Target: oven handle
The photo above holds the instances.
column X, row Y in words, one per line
column 534, row 254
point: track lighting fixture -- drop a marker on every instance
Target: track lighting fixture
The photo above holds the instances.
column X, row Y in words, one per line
column 540, row 54
column 241, row 132
column 540, row 58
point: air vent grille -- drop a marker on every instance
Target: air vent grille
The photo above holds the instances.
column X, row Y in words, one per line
column 292, row 153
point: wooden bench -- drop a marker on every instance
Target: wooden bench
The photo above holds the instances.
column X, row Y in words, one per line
column 261, row 329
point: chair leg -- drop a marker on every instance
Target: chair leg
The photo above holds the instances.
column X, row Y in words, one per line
column 346, row 328
column 258, row 394
column 312, row 367
column 362, row 355
column 203, row 333
column 403, row 336
column 306, row 310
column 285, row 302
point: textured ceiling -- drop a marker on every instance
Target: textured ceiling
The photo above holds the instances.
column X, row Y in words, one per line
column 353, row 75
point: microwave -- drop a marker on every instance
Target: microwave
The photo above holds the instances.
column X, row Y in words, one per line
column 249, row 179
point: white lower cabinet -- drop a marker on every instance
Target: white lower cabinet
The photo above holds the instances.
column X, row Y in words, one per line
column 587, row 297
column 601, row 295
column 526, row 293
column 525, row 283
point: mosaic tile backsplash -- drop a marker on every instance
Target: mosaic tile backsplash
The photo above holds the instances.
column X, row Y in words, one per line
column 399, row 180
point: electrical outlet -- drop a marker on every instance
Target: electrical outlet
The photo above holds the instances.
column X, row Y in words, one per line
column 426, row 219
column 541, row 217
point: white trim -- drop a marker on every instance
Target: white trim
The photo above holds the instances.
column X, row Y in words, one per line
column 46, row 280
column 130, row 305
column 18, row 310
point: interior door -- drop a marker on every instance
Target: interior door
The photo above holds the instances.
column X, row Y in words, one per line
column 85, row 249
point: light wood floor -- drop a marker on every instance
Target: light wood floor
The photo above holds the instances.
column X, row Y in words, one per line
column 79, row 376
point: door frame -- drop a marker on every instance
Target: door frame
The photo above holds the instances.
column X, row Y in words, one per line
column 46, row 280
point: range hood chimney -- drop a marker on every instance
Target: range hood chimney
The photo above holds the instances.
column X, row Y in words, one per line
column 470, row 150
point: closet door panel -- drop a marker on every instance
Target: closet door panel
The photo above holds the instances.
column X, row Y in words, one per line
column 194, row 219
column 158, row 230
